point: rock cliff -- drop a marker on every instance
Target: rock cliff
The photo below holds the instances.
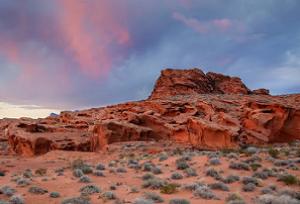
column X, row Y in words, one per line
column 206, row 111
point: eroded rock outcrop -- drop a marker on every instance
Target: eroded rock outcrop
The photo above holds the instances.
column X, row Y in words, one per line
column 206, row 111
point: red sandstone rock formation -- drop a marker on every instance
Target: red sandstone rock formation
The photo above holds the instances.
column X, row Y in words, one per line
column 209, row 111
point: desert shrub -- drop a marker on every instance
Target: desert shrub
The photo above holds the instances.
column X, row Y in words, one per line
column 156, row 170
column 147, row 166
column 255, row 166
column 27, row 173
column 100, row 167
column 214, row 161
column 192, row 186
column 213, row 173
column 267, row 190
column 219, row 186
column 156, row 198
column 22, row 182
column 234, row 198
column 98, row 173
column 232, row 155
column 3, row 202
column 272, row 199
column 169, row 188
column 16, row 199
column 84, row 179
column 261, row 174
column 76, row 200
column 121, row 170
column 78, row 173
column 288, row 179
column 205, row 193
column 80, row 164
column 239, row 166
column 190, row 172
column 181, row 164
column 109, row 195
column 41, row 172
column 249, row 187
column 148, row 176
column 8, row 191
column 54, row 195
column 37, row 190
column 179, row 201
column 134, row 189
column 251, row 150
column 279, row 162
column 248, row 179
column 154, row 183
column 231, row 179
column 274, row 153
column 176, row 176
column 163, row 157
column 290, row 192
column 89, row 189
column 142, row 201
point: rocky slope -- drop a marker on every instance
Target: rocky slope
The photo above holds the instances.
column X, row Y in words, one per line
column 206, row 111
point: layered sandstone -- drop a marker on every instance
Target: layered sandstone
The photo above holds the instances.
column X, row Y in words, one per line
column 206, row 111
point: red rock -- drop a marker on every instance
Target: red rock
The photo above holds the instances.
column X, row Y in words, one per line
column 209, row 111
column 261, row 91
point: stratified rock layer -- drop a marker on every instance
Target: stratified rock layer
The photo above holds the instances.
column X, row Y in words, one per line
column 206, row 111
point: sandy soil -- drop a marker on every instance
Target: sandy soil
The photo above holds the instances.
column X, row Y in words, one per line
column 69, row 186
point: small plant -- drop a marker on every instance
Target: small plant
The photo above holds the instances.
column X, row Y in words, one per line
column 100, row 167
column 156, row 198
column 148, row 176
column 255, row 166
column 248, row 179
column 181, row 164
column 176, row 176
column 121, row 170
column 205, row 193
column 84, row 179
column 213, row 173
column 169, row 188
column 54, row 195
column 76, row 200
column 37, row 190
column 154, row 183
column 234, row 198
column 288, row 179
column 214, row 161
column 109, row 195
column 190, row 172
column 41, row 172
column 16, row 199
column 274, row 153
column 22, row 182
column 89, row 190
column 239, row 166
column 8, row 191
column 142, row 201
column 249, row 187
column 78, row 173
column 179, row 201
column 98, row 173
column 231, row 179
column 219, row 186
column 156, row 170
column 163, row 157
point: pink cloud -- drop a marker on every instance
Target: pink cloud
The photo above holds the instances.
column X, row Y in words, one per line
column 191, row 22
column 223, row 25
column 90, row 30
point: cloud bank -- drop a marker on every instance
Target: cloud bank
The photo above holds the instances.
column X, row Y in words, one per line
column 71, row 54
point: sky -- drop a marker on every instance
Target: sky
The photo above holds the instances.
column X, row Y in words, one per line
column 73, row 54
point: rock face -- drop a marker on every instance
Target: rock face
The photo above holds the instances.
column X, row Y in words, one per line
column 174, row 82
column 206, row 111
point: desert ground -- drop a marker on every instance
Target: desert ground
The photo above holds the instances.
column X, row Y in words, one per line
column 154, row 172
